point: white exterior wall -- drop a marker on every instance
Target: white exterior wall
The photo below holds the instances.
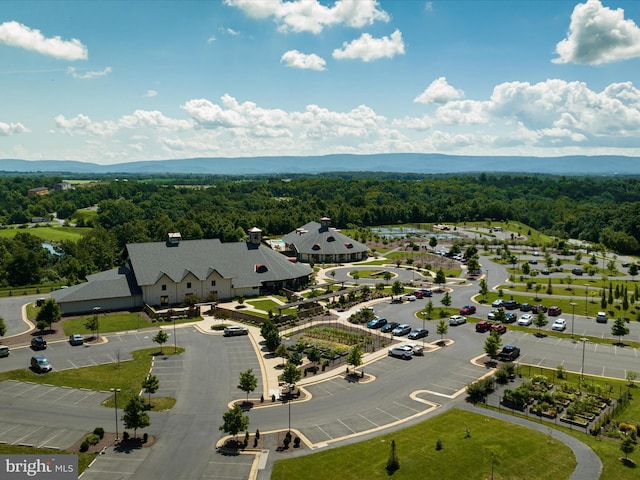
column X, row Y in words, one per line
column 176, row 292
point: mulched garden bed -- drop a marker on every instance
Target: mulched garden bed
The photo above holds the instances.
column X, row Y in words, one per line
column 109, row 439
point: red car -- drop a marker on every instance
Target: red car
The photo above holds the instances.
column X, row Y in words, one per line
column 467, row 310
column 496, row 327
column 418, row 294
column 538, row 309
column 483, row 326
column 554, row 311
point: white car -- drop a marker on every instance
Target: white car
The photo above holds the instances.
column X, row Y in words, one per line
column 457, row 320
column 525, row 319
column 409, row 298
column 233, row 330
column 559, row 325
column 417, row 349
column 402, row 351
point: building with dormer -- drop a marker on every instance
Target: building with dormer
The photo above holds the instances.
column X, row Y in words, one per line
column 320, row 243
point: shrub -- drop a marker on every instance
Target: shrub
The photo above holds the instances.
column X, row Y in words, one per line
column 296, row 442
column 84, row 446
column 92, row 439
column 439, row 444
column 125, row 435
column 99, row 431
column 145, row 437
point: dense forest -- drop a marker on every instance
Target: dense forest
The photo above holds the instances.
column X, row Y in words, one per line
column 603, row 210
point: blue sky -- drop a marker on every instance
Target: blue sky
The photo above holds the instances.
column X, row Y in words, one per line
column 111, row 82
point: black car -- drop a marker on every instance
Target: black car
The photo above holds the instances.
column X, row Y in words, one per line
column 418, row 333
column 525, row 307
column 38, row 343
column 389, row 326
column 509, row 353
column 511, row 304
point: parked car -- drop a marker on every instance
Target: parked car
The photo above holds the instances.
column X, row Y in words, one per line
column 483, row 326
column 538, row 308
column 545, row 271
column 76, row 339
column 525, row 319
column 625, row 264
column 457, row 320
column 554, row 311
column 402, row 351
column 526, row 307
column 409, row 298
column 377, row 322
column 417, row 349
column 511, row 318
column 560, row 325
column 497, row 327
column 38, row 343
column 4, row 351
column 426, row 292
column 418, row 333
column 533, row 261
column 468, row 310
column 388, row 327
column 402, row 329
column 418, row 294
column 509, row 353
column 233, row 330
column 497, row 303
column 510, row 304
column 577, row 271
column 601, row 317
column 493, row 314
column 40, row 364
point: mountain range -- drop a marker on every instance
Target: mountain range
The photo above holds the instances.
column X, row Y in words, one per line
column 384, row 162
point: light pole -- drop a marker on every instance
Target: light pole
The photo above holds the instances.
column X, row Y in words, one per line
column 115, row 405
column 584, row 342
column 573, row 314
column 175, row 347
column 96, row 310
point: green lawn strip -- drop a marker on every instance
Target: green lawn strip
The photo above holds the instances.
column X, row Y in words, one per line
column 264, row 304
column 127, row 376
column 523, row 451
column 48, row 233
column 117, row 322
column 84, row 459
column 608, row 449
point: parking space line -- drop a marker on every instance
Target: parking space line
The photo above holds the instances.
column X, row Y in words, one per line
column 43, row 444
column 365, row 418
column 27, row 435
column 345, row 425
column 387, row 413
column 325, row 433
column 22, row 392
column 84, row 398
column 7, row 431
column 407, row 407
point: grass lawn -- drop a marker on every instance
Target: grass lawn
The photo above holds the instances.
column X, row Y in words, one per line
column 49, row 233
column 523, row 451
column 128, row 376
column 264, row 304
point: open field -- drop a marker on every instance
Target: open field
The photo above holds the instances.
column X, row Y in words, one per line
column 53, row 234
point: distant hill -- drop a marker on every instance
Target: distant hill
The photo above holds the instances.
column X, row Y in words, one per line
column 384, row 162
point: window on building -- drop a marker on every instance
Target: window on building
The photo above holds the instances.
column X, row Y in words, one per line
column 213, row 283
column 164, row 288
column 188, row 284
column 164, row 300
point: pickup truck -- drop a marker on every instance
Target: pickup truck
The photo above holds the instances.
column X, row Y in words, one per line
column 509, row 353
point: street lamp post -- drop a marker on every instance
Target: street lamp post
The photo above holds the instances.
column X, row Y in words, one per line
column 584, row 342
column 96, row 310
column 175, row 346
column 115, row 400
column 573, row 314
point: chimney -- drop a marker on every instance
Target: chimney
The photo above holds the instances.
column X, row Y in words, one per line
column 173, row 239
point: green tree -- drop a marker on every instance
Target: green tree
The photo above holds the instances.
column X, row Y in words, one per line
column 446, row 299
column 248, row 382
column 282, row 352
column 290, row 374
column 603, row 301
column 593, row 261
column 540, row 320
column 49, row 313
column 314, row 356
column 442, row 328
column 627, row 446
column 150, row 385
column 160, row 338
column 500, row 315
column 494, row 456
column 633, row 270
column 433, row 242
column 526, row 269
column 440, row 278
column 397, row 288
column 483, row 288
column 492, row 344
column 355, row 357
column 3, row 327
column 234, row 421
column 135, row 416
column 619, row 329
column 92, row 323
column 387, row 275
column 272, row 339
column 428, row 310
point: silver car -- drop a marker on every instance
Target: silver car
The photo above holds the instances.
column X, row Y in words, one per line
column 402, row 351
column 233, row 330
column 457, row 320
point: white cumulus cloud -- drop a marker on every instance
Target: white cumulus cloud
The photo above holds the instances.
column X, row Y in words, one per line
column 151, row 94
column 7, row 129
column 18, row 35
column 296, row 59
column 311, row 15
column 439, row 92
column 598, row 34
column 368, row 48
column 89, row 74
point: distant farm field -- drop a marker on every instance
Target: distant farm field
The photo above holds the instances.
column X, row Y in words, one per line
column 49, row 233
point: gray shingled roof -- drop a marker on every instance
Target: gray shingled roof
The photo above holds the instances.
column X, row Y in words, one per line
column 236, row 260
column 115, row 283
column 330, row 241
